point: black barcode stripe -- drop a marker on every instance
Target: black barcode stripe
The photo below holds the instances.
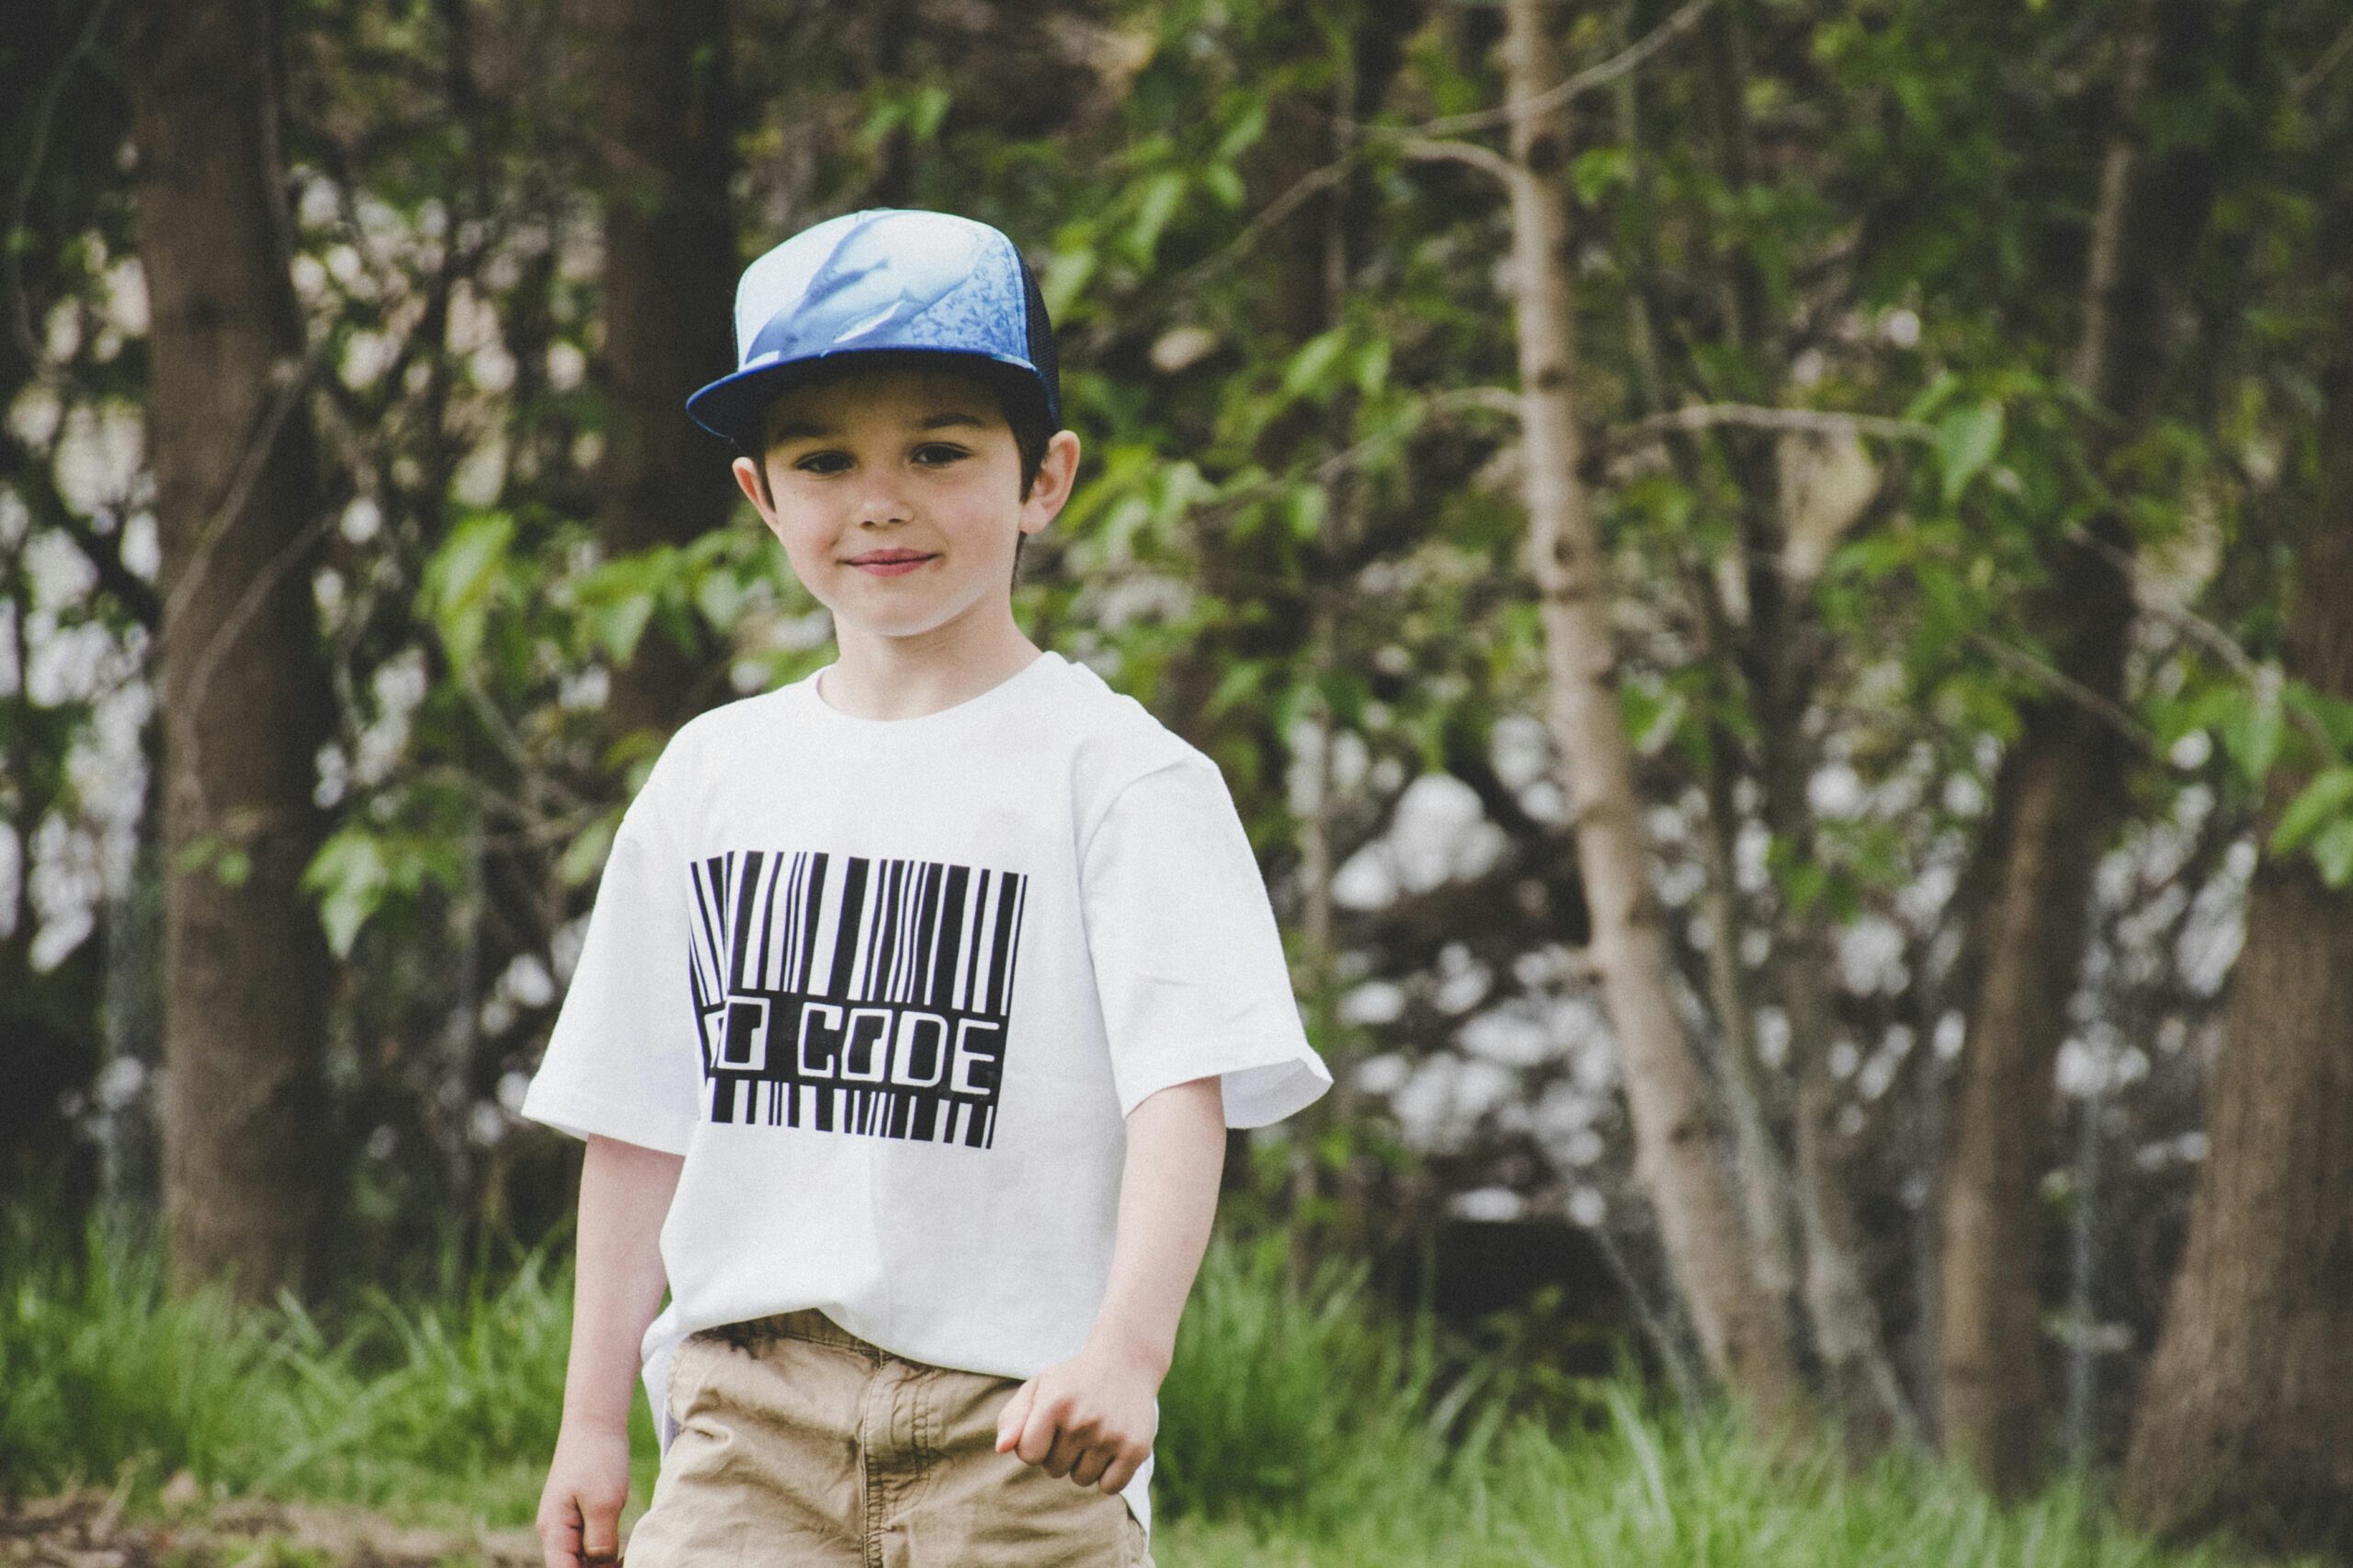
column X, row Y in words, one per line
column 918, row 931
column 884, row 977
column 1001, row 942
column 711, row 949
column 967, row 992
column 894, row 931
column 918, row 984
column 910, row 945
column 796, row 895
column 1012, row 943
column 777, row 868
column 878, row 923
column 850, row 921
column 747, row 882
column 951, row 934
column 813, row 904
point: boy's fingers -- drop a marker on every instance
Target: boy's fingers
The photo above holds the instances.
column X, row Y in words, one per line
column 1038, row 1433
column 1016, row 1412
column 600, row 1545
column 1064, row 1455
column 600, row 1535
column 560, row 1542
column 1116, row 1478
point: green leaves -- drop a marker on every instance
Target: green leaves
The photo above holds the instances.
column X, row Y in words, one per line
column 2319, row 814
column 1310, row 371
column 360, row 872
column 464, row 579
column 2252, row 730
column 619, row 597
column 1967, row 438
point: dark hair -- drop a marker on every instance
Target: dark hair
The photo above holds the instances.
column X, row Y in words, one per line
column 1024, row 413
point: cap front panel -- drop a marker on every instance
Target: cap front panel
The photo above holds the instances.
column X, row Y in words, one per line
column 888, row 281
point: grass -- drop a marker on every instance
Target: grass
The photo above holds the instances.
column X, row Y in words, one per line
column 1297, row 1428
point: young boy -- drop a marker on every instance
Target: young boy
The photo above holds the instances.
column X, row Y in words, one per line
column 917, row 995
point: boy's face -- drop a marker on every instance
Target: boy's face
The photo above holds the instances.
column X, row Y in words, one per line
column 909, row 463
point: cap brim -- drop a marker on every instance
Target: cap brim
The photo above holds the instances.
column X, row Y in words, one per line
column 733, row 407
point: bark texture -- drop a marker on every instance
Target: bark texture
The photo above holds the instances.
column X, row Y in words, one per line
column 2056, row 794
column 1677, row 1150
column 670, row 269
column 245, row 702
column 2246, row 1416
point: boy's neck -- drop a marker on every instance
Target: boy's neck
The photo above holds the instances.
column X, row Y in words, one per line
column 907, row 678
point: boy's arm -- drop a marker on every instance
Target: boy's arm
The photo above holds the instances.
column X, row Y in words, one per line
column 1091, row 1418
column 1168, row 1202
column 625, row 1193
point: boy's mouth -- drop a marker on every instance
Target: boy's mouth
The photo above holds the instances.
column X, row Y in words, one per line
column 889, row 563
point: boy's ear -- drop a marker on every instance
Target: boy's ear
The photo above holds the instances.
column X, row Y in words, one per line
column 752, row 479
column 1057, row 474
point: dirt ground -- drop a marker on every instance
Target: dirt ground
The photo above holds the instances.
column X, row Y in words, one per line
column 91, row 1529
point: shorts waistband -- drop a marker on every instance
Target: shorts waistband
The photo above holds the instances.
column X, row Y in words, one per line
column 807, row 1323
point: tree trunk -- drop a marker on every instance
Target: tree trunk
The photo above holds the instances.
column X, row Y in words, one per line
column 2055, row 799
column 1677, row 1146
column 1767, row 1195
column 665, row 151
column 2246, row 1418
column 1782, row 654
column 244, row 700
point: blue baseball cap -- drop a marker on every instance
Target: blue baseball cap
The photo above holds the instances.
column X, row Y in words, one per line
column 884, row 280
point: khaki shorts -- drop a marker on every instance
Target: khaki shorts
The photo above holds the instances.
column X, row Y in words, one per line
column 801, row 1446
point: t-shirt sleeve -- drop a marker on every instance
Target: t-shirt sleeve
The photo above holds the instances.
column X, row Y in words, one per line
column 1188, row 965
column 624, row 1060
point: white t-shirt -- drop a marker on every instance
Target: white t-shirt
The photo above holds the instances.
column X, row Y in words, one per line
column 891, row 987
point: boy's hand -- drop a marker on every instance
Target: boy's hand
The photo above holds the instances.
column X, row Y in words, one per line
column 580, row 1511
column 1090, row 1418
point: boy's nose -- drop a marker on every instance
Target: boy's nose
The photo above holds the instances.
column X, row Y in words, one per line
column 883, row 506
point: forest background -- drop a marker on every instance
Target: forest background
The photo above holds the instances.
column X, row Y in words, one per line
column 1770, row 579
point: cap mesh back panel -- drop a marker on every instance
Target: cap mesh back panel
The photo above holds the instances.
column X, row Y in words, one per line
column 1041, row 344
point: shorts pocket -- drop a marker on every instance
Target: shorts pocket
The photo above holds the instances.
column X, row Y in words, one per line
column 679, row 1383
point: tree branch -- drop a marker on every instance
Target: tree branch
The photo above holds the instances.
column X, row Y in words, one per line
column 2199, row 629
column 1438, row 150
column 1584, row 81
column 2074, row 690
column 2330, row 59
column 1810, row 421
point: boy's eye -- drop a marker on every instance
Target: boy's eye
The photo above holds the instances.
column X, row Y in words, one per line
column 823, row 462
column 937, row 453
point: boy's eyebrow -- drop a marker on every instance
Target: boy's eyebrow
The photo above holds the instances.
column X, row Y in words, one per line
column 810, row 429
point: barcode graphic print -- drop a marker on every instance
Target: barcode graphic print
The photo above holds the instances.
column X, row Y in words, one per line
column 840, row 993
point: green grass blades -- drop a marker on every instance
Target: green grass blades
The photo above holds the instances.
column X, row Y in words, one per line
column 100, row 1367
column 1300, row 1427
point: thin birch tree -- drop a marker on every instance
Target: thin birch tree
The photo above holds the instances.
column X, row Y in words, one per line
column 1678, row 1148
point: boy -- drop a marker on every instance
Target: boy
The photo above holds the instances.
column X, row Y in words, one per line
column 917, row 995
